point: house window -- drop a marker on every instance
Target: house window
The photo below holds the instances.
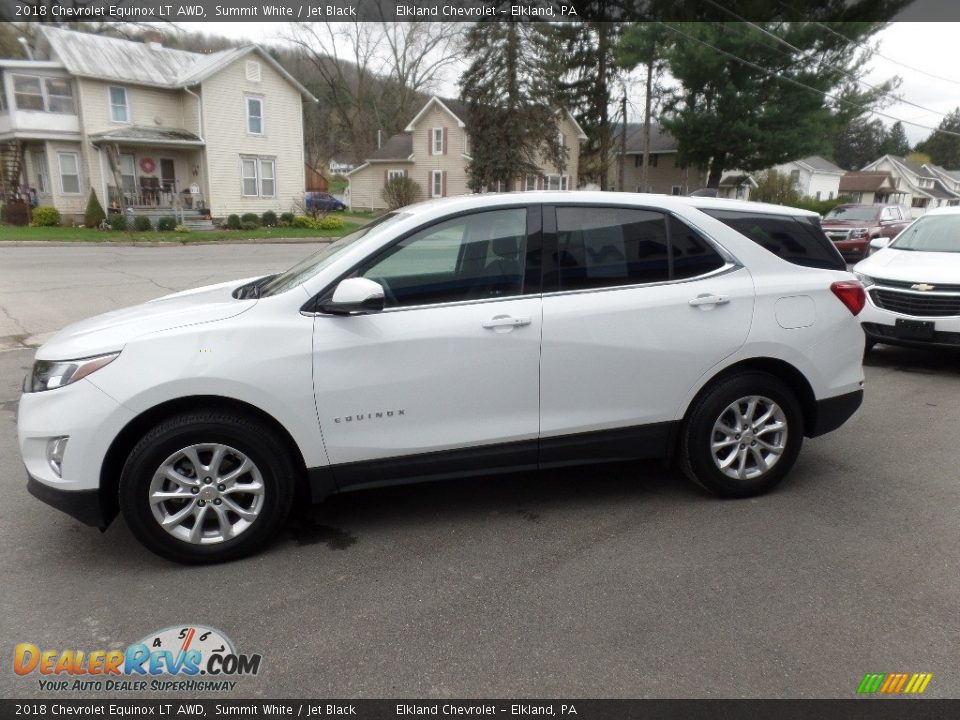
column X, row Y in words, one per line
column 437, row 145
column 555, row 182
column 675, row 190
column 830, row 195
column 794, row 176
column 41, row 171
column 654, row 159
column 466, row 144
column 69, row 172
column 53, row 95
column 253, row 71
column 818, row 194
column 258, row 177
column 119, row 109
column 394, row 174
column 531, row 182
column 436, row 183
column 255, row 115
column 561, row 139
column 128, row 173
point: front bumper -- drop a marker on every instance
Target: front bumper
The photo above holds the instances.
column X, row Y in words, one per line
column 853, row 248
column 84, row 505
column 879, row 325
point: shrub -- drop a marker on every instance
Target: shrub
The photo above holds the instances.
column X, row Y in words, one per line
column 117, row 221
column 46, row 217
column 15, row 212
column 286, row 217
column 330, row 223
column 166, row 223
column 302, row 221
column 399, row 192
column 233, row 222
column 181, row 229
column 94, row 214
column 250, row 218
column 142, row 223
column 249, row 225
column 269, row 219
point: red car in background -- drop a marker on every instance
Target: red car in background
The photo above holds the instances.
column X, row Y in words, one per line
column 852, row 227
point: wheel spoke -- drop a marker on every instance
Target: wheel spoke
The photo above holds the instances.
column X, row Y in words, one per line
column 770, row 428
column 720, row 444
column 214, row 467
column 742, row 465
column 172, row 521
column 190, row 454
column 163, row 495
column 769, row 447
column 728, row 460
column 170, row 473
column 242, row 512
column 751, row 411
column 196, row 533
column 759, row 459
column 253, row 488
column 226, row 527
column 231, row 476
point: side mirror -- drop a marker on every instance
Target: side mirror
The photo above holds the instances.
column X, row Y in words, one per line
column 879, row 243
column 355, row 295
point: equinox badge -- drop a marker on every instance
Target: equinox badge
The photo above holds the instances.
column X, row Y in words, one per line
column 370, row 416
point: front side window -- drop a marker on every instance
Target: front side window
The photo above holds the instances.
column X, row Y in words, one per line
column 255, row 116
column 473, row 257
column 610, row 247
column 119, row 110
column 69, row 172
column 40, row 171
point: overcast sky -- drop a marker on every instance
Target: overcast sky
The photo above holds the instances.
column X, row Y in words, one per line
column 928, row 47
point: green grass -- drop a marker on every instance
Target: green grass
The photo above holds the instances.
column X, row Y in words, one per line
column 72, row 234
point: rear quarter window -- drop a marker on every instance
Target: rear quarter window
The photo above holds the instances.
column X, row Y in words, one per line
column 798, row 240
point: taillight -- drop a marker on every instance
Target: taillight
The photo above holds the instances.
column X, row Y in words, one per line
column 851, row 294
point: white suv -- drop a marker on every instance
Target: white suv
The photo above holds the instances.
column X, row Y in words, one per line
column 458, row 337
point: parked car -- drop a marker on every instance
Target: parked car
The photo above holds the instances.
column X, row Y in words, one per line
column 852, row 227
column 315, row 201
column 464, row 336
column 913, row 284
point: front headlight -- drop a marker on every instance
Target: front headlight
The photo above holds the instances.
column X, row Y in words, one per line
column 858, row 232
column 865, row 280
column 51, row 374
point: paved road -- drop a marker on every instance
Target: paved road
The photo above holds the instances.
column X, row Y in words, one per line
column 615, row 581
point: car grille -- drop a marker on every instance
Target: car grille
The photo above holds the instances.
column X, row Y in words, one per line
column 837, row 234
column 908, row 285
column 916, row 304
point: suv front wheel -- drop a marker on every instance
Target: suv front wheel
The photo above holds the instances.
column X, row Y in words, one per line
column 742, row 435
column 205, row 487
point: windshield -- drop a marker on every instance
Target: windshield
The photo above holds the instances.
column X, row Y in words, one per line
column 931, row 234
column 852, row 213
column 310, row 266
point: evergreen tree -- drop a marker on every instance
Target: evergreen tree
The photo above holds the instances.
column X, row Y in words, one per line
column 510, row 96
column 94, row 214
column 859, row 142
column 944, row 149
column 896, row 142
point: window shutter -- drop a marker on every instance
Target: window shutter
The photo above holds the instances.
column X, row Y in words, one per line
column 429, row 183
column 386, row 178
column 404, row 172
column 444, row 133
column 443, row 176
column 429, row 141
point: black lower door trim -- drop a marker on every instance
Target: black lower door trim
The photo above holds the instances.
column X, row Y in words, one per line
column 639, row 442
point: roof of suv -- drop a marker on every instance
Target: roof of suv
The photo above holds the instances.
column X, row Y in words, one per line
column 587, row 197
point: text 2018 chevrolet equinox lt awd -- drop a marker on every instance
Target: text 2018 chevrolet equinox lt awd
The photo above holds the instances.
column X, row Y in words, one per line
column 464, row 336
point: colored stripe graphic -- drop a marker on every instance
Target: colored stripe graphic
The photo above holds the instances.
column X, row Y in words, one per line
column 894, row 683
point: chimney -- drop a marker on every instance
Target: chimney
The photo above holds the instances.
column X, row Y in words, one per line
column 153, row 38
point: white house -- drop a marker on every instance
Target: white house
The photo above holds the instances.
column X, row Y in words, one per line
column 150, row 129
column 922, row 188
column 815, row 177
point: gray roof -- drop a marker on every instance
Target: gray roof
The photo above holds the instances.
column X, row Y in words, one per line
column 141, row 63
column 820, row 163
column 397, row 147
column 134, row 135
column 940, row 191
column 660, row 140
column 913, row 167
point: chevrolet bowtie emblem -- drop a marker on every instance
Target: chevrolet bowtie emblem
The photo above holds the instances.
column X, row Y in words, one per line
column 922, row 287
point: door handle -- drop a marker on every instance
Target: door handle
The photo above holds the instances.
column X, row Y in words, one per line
column 505, row 321
column 708, row 299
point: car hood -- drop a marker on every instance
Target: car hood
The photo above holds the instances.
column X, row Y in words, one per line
column 847, row 223
column 912, row 266
column 110, row 331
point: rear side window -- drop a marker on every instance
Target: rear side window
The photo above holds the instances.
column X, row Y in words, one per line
column 797, row 240
column 608, row 247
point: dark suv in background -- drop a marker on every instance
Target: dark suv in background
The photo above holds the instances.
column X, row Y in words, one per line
column 852, row 227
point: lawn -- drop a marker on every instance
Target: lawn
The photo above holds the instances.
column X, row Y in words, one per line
column 352, row 220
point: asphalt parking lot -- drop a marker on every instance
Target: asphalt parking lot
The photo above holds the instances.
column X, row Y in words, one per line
column 612, row 581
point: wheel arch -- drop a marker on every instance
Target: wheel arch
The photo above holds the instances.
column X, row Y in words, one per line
column 125, row 440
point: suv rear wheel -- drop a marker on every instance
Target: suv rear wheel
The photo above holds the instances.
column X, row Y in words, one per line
column 742, row 435
column 206, row 487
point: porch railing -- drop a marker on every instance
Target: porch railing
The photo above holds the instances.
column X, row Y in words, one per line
column 160, row 198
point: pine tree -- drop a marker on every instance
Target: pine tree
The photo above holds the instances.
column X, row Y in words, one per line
column 94, row 214
column 942, row 148
column 511, row 116
column 896, row 142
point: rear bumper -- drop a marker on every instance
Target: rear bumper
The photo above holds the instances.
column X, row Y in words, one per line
column 83, row 505
column 834, row 412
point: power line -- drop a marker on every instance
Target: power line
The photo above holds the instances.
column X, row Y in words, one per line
column 800, row 84
column 837, row 68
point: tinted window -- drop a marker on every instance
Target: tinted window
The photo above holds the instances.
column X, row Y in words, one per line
column 472, row 257
column 796, row 240
column 606, row 247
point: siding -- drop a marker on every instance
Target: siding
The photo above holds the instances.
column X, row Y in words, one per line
column 660, row 179
column 67, row 204
column 225, row 132
column 366, row 184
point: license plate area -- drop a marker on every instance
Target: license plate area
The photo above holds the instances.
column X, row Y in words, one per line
column 914, row 329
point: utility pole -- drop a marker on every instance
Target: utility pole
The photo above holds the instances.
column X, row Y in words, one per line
column 646, row 129
column 623, row 140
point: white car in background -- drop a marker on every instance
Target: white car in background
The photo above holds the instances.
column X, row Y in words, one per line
column 913, row 284
column 457, row 337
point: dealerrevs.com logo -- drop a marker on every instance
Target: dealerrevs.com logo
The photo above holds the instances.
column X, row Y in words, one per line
column 180, row 658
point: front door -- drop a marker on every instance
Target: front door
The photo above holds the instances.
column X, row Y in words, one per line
column 167, row 177
column 636, row 308
column 445, row 380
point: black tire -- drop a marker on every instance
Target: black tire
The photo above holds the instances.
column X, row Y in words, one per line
column 247, row 436
column 695, row 456
column 868, row 345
